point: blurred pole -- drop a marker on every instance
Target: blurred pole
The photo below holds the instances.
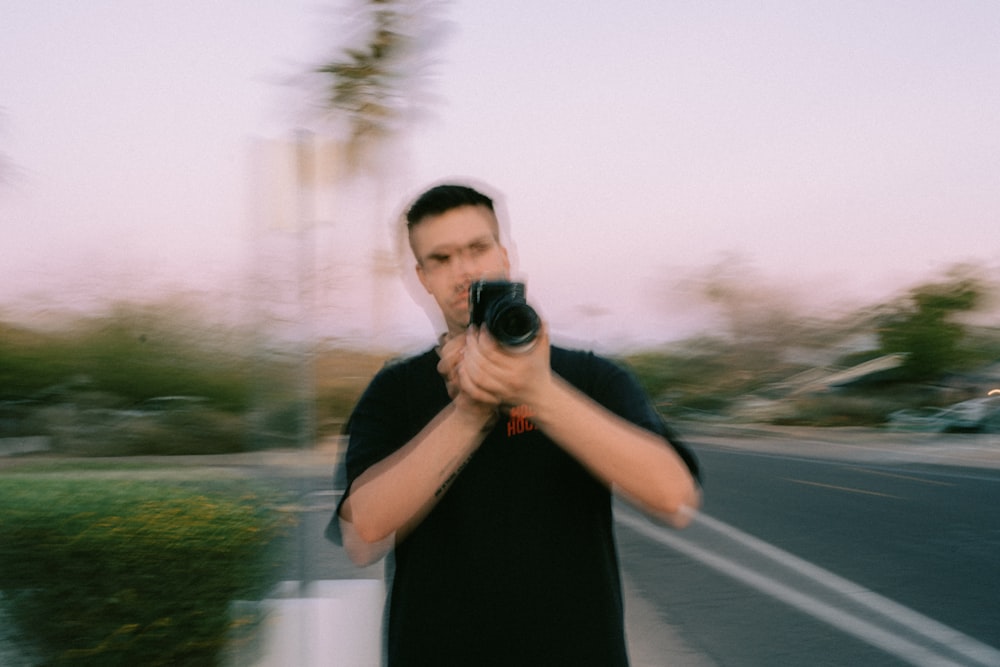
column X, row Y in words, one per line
column 257, row 224
column 305, row 181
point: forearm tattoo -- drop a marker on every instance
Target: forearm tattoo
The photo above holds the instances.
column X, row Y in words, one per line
column 451, row 478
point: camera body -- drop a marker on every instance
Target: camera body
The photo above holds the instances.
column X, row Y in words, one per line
column 500, row 306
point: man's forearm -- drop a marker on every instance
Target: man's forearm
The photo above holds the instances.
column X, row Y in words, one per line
column 634, row 461
column 396, row 493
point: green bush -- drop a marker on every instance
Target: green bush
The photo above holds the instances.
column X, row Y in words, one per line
column 132, row 572
column 134, row 353
column 703, row 380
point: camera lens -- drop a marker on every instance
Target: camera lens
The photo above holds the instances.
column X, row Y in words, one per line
column 513, row 324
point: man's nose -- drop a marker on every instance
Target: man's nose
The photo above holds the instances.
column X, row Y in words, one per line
column 466, row 266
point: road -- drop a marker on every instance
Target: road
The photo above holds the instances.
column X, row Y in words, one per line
column 829, row 559
column 826, row 548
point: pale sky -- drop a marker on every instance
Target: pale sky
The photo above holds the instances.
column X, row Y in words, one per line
column 847, row 150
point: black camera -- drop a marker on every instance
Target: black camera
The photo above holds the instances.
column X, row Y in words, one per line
column 500, row 307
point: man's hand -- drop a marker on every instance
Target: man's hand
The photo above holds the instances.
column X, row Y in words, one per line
column 491, row 373
column 452, row 353
column 638, row 464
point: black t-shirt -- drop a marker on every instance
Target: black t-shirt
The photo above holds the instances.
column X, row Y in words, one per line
column 516, row 564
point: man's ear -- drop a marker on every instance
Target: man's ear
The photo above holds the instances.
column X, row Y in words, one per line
column 421, row 277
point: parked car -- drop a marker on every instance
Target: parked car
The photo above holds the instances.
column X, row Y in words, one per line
column 976, row 415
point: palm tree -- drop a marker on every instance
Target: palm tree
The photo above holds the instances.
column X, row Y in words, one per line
column 374, row 86
column 374, row 90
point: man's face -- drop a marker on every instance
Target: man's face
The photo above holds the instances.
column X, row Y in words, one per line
column 453, row 250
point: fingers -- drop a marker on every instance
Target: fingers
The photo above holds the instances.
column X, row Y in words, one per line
column 451, row 353
column 478, row 368
column 507, row 375
column 475, row 373
column 464, row 378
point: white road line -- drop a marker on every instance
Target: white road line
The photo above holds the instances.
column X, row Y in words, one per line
column 951, row 640
column 651, row 641
column 928, row 627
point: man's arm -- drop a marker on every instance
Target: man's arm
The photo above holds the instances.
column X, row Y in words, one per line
column 638, row 464
column 392, row 496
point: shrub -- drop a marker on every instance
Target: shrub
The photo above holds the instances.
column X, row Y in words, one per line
column 197, row 430
column 835, row 410
column 134, row 353
column 128, row 572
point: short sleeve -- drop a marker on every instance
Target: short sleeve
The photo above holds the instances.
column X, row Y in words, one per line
column 617, row 389
column 401, row 398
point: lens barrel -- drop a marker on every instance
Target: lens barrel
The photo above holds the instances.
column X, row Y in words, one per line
column 500, row 306
column 512, row 323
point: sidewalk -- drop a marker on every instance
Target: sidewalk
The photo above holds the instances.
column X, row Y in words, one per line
column 872, row 445
column 849, row 442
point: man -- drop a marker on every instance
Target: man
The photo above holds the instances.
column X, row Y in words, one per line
column 488, row 472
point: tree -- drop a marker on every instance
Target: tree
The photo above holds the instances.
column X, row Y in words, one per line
column 758, row 316
column 372, row 91
column 374, row 86
column 923, row 326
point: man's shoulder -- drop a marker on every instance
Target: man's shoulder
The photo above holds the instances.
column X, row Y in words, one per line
column 562, row 354
column 585, row 369
column 403, row 369
column 395, row 382
column 567, row 357
column 407, row 362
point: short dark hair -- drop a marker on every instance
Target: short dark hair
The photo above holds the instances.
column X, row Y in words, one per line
column 443, row 198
